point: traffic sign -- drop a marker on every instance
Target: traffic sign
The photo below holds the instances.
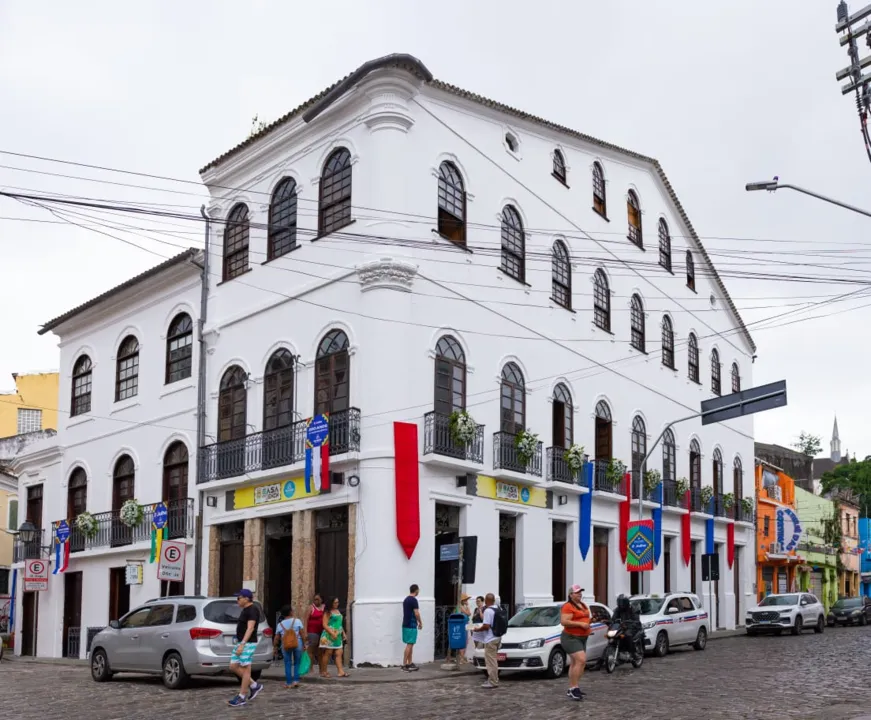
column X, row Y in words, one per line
column 746, row 402
column 449, row 552
column 35, row 575
column 171, row 564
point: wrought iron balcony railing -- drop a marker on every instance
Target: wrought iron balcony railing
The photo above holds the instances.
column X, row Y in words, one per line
column 603, row 481
column 670, row 495
column 276, row 448
column 32, row 550
column 506, row 457
column 438, row 440
column 558, row 469
column 696, row 499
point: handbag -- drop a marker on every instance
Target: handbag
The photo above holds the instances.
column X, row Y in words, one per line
column 305, row 664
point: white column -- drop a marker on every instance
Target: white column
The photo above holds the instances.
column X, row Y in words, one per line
column 534, row 554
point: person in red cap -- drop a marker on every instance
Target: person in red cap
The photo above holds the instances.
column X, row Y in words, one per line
column 575, row 618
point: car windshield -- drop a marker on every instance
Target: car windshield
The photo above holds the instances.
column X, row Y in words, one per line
column 226, row 612
column 779, row 600
column 845, row 603
column 647, row 606
column 536, row 617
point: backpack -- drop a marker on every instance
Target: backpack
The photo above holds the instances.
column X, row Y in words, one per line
column 500, row 622
column 289, row 639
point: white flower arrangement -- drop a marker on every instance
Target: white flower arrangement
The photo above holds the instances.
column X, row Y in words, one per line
column 131, row 513
column 652, row 479
column 86, row 524
column 681, row 487
column 707, row 494
column 574, row 457
column 463, row 427
column 747, row 505
column 526, row 444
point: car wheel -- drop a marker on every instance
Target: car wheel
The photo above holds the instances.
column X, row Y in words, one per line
column 255, row 675
column 175, row 676
column 660, row 649
column 820, row 626
column 556, row 664
column 863, row 621
column 798, row 627
column 100, row 671
column 701, row 639
column 610, row 658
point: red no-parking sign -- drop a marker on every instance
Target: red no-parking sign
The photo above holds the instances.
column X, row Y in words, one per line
column 35, row 575
column 171, row 564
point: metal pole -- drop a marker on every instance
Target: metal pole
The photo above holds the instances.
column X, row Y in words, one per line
column 777, row 186
column 459, row 593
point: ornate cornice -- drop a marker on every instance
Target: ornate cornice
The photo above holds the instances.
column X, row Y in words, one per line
column 387, row 273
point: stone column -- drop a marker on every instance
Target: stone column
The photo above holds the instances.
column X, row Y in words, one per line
column 214, row 578
column 303, row 560
column 253, row 565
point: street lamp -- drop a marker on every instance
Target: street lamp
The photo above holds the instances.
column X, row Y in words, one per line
column 27, row 532
column 772, row 185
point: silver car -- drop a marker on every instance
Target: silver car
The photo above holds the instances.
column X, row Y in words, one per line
column 176, row 637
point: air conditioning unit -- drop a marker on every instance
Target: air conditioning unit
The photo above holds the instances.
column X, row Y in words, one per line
column 775, row 548
column 776, row 492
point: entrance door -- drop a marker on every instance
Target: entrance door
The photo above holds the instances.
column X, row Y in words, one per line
column 72, row 612
column 558, row 561
column 119, row 593
column 693, row 557
column 279, row 551
column 600, row 565
column 736, row 586
column 29, row 618
column 331, row 560
column 507, row 561
column 715, row 601
column 230, row 558
column 666, row 565
column 447, row 529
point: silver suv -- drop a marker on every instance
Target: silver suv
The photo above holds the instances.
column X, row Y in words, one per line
column 176, row 637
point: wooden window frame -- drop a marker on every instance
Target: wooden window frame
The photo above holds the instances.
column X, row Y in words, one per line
column 237, row 238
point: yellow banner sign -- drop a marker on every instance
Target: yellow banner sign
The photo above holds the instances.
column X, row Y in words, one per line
column 274, row 492
column 488, row 487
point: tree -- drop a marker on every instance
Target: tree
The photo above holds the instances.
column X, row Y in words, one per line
column 855, row 476
column 808, row 444
column 256, row 126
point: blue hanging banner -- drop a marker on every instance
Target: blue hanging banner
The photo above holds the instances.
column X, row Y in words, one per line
column 657, row 534
column 709, row 536
column 585, row 526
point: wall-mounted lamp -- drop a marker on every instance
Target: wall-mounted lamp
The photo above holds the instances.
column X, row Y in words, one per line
column 562, row 499
column 353, row 480
column 211, row 501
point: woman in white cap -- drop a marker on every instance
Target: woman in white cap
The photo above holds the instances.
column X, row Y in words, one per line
column 575, row 618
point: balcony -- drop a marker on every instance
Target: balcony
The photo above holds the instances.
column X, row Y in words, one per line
column 558, row 469
column 438, row 440
column 670, row 495
column 505, row 456
column 717, row 506
column 740, row 514
column 270, row 449
column 602, row 482
column 695, row 499
column 111, row 532
column 32, row 550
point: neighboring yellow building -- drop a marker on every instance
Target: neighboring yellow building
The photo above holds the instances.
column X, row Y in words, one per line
column 31, row 406
column 8, row 517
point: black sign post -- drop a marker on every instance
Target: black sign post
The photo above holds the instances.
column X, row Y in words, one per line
column 746, row 402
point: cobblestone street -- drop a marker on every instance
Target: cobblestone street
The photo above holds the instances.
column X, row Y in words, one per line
column 809, row 677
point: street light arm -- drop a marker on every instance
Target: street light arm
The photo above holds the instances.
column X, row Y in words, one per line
column 773, row 185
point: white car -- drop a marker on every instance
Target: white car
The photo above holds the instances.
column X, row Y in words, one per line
column 793, row 611
column 532, row 642
column 672, row 619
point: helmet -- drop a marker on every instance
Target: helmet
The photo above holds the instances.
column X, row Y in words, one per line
column 622, row 602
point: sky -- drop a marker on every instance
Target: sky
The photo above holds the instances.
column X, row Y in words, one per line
column 721, row 92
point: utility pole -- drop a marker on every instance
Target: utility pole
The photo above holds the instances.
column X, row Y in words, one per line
column 858, row 82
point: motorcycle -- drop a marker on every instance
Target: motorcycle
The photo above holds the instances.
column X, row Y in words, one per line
column 614, row 656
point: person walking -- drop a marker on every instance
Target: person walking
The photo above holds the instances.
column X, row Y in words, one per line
column 313, row 621
column 490, row 637
column 464, row 609
column 289, row 636
column 411, row 625
column 575, row 618
column 243, row 651
column 333, row 639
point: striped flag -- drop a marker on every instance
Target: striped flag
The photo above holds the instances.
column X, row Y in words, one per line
column 317, row 455
column 61, row 547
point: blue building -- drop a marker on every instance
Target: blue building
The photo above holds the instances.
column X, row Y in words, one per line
column 865, row 549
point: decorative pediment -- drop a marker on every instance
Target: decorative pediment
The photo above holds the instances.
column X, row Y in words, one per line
column 387, row 273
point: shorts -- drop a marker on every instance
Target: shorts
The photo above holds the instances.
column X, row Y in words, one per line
column 409, row 635
column 244, row 658
column 314, row 639
column 573, row 643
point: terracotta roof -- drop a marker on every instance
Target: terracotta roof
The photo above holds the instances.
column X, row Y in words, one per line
column 311, row 108
column 182, row 257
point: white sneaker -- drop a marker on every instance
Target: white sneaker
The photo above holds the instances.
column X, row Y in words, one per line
column 488, row 685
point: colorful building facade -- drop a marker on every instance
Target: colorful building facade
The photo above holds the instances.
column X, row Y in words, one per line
column 31, row 406
column 820, row 576
column 778, row 532
column 848, row 517
column 865, row 550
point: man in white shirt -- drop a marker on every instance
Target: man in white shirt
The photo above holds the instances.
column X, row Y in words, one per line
column 483, row 633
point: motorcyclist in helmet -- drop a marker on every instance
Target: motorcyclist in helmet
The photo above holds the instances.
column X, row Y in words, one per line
column 627, row 615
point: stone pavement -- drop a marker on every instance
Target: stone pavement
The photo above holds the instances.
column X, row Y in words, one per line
column 812, row 677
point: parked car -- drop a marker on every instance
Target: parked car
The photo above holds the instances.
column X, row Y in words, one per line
column 671, row 620
column 176, row 637
column 792, row 611
column 849, row 611
column 532, row 642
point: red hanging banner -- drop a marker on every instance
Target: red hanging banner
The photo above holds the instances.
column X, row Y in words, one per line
column 407, row 486
column 686, row 532
column 624, row 515
column 730, row 544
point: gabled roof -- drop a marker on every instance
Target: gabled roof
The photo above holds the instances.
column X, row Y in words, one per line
column 182, row 257
column 310, row 109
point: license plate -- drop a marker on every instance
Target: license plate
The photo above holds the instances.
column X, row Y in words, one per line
column 764, row 622
column 501, row 657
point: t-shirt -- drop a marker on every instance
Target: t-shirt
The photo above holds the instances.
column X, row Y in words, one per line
column 578, row 614
column 249, row 613
column 485, row 636
column 409, row 605
column 291, row 624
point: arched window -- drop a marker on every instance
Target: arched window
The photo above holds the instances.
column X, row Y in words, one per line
column 282, row 220
column 604, row 428
column 695, row 465
column 236, row 235
column 599, row 204
column 233, row 405
column 335, row 200
column 669, row 456
column 333, row 374
column 452, row 204
column 513, row 415
column 563, row 417
column 123, row 480
column 601, row 301
column 736, row 378
column 715, row 372
column 175, row 488
column 693, row 358
column 81, row 389
column 639, row 450
column 691, row 271
column 717, row 469
column 664, row 245
column 278, row 390
column 559, row 166
column 450, row 376
column 561, row 276
column 667, row 342
column 738, row 482
column 77, row 494
column 127, row 369
column 637, row 323
column 633, row 210
column 179, row 348
column 513, row 244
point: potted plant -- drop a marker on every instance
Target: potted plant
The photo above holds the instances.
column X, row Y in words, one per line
column 86, row 524
column 681, row 487
column 728, row 501
column 652, row 483
column 707, row 499
column 131, row 513
column 747, row 506
column 574, row 457
column 462, row 427
column 614, row 473
column 526, row 444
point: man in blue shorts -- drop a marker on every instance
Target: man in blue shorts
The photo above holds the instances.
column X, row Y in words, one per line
column 243, row 651
column 411, row 623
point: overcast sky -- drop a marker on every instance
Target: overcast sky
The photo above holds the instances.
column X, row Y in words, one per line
column 720, row 92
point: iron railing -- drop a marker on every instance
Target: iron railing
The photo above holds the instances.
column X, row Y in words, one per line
column 717, row 506
column 506, row 457
column 742, row 514
column 438, row 440
column 276, row 448
column 32, row 550
column 112, row 532
column 670, row 495
column 558, row 469
column 73, row 642
column 602, row 481
column 696, row 499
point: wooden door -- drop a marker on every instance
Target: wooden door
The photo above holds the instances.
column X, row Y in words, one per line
column 507, row 559
column 230, row 558
column 600, row 565
column 603, row 439
column 29, row 619
column 736, row 587
column 331, row 555
column 34, row 506
column 666, row 564
column 333, row 383
column 119, row 593
column 559, row 424
column 72, row 617
column 693, row 584
column 558, row 561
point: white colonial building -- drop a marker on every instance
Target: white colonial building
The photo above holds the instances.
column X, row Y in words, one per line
column 395, row 251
